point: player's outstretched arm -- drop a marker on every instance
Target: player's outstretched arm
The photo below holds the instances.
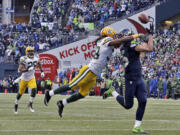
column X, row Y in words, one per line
column 118, row 42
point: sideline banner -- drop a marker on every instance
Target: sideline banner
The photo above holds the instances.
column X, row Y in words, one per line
column 49, row 65
column 74, row 54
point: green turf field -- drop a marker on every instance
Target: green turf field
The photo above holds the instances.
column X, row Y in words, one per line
column 90, row 116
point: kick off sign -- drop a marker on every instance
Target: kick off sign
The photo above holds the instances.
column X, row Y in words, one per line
column 75, row 54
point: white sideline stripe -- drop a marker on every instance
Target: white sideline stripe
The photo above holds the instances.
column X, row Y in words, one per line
column 84, row 130
column 99, row 98
column 155, row 120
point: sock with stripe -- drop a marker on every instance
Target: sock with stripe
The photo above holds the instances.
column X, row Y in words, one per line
column 62, row 89
column 18, row 98
column 74, row 97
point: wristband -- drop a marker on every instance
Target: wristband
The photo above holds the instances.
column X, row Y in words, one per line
column 135, row 36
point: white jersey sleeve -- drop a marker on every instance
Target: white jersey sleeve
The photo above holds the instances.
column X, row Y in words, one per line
column 101, row 56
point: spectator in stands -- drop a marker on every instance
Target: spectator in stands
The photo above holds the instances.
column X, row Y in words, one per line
column 43, row 85
column 2, row 50
column 1, row 86
column 165, row 82
column 153, row 87
column 11, row 84
column 102, row 86
column 48, row 84
column 160, row 87
column 38, row 83
column 5, row 84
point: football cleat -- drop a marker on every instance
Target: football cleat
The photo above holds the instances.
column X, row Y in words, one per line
column 139, row 130
column 108, row 93
column 16, row 109
column 30, row 107
column 60, row 107
column 47, row 97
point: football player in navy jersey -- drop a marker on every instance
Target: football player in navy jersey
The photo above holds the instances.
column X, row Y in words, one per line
column 134, row 84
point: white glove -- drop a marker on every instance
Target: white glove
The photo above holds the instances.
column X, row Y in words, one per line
column 42, row 74
column 17, row 80
column 31, row 68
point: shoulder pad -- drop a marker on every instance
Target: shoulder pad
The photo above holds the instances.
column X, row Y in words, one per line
column 23, row 58
column 107, row 39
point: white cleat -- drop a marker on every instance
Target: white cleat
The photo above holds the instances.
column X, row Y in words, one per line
column 16, row 109
column 16, row 112
column 32, row 110
column 30, row 107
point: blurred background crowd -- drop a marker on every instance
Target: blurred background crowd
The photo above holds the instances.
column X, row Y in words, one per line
column 50, row 27
column 161, row 68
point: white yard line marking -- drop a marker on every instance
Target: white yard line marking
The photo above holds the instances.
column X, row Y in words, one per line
column 84, row 130
column 35, row 120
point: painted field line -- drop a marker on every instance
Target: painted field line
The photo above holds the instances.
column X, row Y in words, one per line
column 84, row 130
column 35, row 120
column 55, row 113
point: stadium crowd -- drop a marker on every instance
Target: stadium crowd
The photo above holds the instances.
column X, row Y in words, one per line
column 48, row 11
column 45, row 30
column 84, row 11
column 14, row 38
column 99, row 11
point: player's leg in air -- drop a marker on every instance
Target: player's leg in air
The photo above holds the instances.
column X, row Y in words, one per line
column 85, row 80
column 132, row 88
column 127, row 99
column 32, row 85
column 22, row 88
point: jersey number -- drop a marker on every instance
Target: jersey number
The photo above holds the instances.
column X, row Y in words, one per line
column 96, row 54
column 32, row 64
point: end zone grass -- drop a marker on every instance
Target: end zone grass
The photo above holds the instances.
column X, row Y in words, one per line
column 89, row 116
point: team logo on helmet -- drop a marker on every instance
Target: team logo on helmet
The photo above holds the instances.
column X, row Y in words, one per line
column 108, row 31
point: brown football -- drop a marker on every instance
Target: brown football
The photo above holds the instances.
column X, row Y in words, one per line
column 143, row 18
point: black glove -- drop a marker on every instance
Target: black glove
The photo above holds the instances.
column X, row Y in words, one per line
column 151, row 29
column 144, row 37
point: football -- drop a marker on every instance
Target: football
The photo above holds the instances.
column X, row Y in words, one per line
column 143, row 18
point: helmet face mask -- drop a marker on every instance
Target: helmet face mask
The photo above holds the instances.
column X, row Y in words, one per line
column 128, row 32
column 30, row 52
